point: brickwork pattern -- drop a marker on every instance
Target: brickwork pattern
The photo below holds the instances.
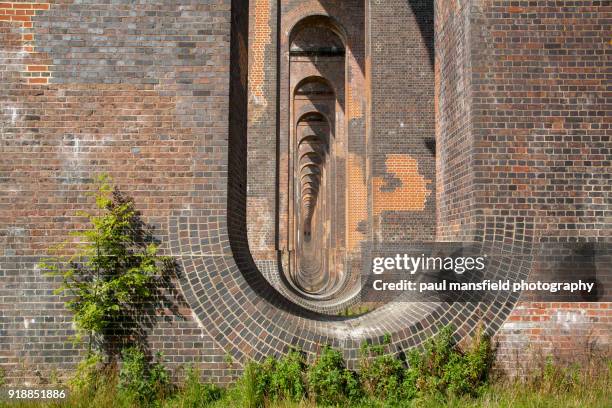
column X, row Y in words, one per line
column 262, row 130
column 17, row 26
column 57, row 136
column 404, row 190
column 454, row 140
column 156, row 95
column 570, row 332
column 525, row 144
column 402, row 116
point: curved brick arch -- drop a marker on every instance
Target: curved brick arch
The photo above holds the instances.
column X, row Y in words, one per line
column 248, row 317
column 246, row 314
column 326, row 20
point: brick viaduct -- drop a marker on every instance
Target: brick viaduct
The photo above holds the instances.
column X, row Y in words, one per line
column 268, row 141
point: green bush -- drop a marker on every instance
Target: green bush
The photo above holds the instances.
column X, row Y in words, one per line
column 442, row 370
column 144, row 382
column 439, row 375
column 330, row 382
column 110, row 271
column 287, row 380
column 274, row 380
column 88, row 374
column 252, row 385
column 380, row 374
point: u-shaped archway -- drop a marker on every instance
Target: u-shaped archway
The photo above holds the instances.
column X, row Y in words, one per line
column 232, row 292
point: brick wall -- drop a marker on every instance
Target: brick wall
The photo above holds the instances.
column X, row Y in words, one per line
column 127, row 94
column 401, row 123
column 19, row 37
column 524, row 144
column 157, row 95
column 454, row 164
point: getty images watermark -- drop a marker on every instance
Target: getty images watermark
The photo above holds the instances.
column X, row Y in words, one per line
column 410, row 265
column 473, row 272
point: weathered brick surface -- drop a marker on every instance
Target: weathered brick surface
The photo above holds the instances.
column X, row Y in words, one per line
column 568, row 332
column 401, row 82
column 524, row 139
column 160, row 96
column 454, row 165
column 125, row 98
column 18, row 36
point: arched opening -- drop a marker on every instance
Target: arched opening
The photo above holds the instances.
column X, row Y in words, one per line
column 312, row 192
column 316, row 75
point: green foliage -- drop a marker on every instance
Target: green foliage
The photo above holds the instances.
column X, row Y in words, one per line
column 275, row 380
column 228, row 359
column 252, row 386
column 195, row 393
column 88, row 374
column 590, row 389
column 287, row 380
column 380, row 374
column 144, row 382
column 439, row 371
column 556, row 376
column 442, row 370
column 329, row 381
column 112, row 267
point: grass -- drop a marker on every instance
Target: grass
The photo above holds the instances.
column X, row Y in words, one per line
column 593, row 393
column 549, row 383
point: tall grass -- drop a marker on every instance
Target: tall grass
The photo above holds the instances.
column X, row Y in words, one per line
column 285, row 384
column 592, row 391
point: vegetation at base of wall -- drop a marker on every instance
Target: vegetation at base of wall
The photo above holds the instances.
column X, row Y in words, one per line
column 439, row 375
column 330, row 383
column 143, row 381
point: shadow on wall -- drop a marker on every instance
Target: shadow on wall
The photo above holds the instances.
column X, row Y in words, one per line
column 424, row 14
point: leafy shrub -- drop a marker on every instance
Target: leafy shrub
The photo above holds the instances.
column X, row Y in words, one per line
column 287, row 380
column 441, row 369
column 88, row 374
column 274, row 380
column 380, row 374
column 329, row 381
column 143, row 381
column 112, row 270
column 252, row 386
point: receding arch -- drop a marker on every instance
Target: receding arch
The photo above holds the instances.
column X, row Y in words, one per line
column 318, row 21
column 317, row 45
